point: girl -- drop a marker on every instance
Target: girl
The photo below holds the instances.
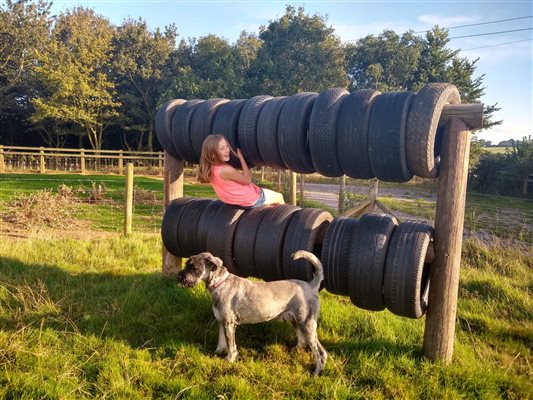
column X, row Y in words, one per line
column 231, row 186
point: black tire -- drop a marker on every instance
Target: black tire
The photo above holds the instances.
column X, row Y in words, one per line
column 368, row 251
column 323, row 132
column 245, row 238
column 181, row 123
column 170, row 225
column 188, row 227
column 220, row 235
column 248, row 128
column 226, row 123
column 307, row 226
column 163, row 126
column 202, row 123
column 335, row 253
column 423, row 150
column 352, row 133
column 267, row 132
column 205, row 222
column 406, row 283
column 387, row 133
column 268, row 250
column 293, row 127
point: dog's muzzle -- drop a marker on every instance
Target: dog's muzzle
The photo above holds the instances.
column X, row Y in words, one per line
column 186, row 280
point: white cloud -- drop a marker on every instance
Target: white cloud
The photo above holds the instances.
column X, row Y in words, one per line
column 446, row 22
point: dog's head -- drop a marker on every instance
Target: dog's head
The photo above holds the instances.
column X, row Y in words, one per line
column 201, row 267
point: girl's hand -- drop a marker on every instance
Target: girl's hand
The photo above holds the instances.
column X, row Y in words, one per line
column 239, row 154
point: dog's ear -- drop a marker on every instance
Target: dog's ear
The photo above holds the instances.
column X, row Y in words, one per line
column 214, row 262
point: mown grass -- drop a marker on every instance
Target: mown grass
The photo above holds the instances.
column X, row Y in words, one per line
column 95, row 319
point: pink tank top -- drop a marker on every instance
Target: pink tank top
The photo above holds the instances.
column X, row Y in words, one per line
column 231, row 192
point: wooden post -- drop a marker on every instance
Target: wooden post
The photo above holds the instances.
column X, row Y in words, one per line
column 160, row 163
column 82, row 161
column 293, row 188
column 42, row 166
column 279, row 180
column 128, row 209
column 172, row 189
column 342, row 192
column 302, row 189
column 120, row 163
column 2, row 165
column 439, row 331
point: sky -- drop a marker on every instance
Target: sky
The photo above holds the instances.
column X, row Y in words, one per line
column 505, row 58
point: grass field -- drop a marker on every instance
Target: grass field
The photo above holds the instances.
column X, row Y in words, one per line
column 94, row 318
column 495, row 150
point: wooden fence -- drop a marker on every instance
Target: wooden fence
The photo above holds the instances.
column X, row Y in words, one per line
column 42, row 159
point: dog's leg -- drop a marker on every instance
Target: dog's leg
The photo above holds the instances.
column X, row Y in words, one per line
column 229, row 332
column 311, row 338
column 222, row 345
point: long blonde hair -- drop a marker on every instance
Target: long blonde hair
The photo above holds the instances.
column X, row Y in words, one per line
column 209, row 157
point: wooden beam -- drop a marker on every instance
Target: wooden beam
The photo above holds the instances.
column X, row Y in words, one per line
column 471, row 114
column 172, row 189
column 449, row 220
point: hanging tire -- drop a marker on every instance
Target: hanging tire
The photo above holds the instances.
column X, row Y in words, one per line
column 306, row 231
column 268, row 252
column 352, row 133
column 248, row 128
column 170, row 225
column 335, row 252
column 163, row 126
column 206, row 221
column 226, row 123
column 323, row 132
column 423, row 151
column 245, row 238
column 188, row 227
column 293, row 126
column 201, row 124
column 220, row 235
column 406, row 283
column 181, row 123
column 267, row 132
column 387, row 133
column 368, row 251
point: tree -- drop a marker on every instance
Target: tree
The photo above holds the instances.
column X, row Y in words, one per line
column 245, row 52
column 140, row 71
column 74, row 71
column 24, row 27
column 387, row 62
column 299, row 53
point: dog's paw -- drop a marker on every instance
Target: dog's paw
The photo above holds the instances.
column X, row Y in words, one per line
column 231, row 357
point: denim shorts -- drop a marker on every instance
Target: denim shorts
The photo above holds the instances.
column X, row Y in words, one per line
column 260, row 201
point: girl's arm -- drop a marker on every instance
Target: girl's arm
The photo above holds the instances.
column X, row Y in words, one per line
column 227, row 172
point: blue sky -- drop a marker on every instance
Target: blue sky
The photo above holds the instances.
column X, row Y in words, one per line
column 504, row 58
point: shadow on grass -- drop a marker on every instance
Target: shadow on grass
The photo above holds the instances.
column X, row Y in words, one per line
column 143, row 310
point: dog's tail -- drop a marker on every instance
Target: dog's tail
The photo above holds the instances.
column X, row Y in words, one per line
column 318, row 275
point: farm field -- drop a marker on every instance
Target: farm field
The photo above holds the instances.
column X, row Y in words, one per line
column 92, row 317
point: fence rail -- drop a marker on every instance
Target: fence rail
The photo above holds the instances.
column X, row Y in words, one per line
column 42, row 159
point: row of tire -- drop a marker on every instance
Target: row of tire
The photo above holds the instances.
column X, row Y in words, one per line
column 363, row 134
column 374, row 260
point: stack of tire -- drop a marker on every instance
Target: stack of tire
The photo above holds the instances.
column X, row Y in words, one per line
column 363, row 134
column 253, row 242
column 379, row 263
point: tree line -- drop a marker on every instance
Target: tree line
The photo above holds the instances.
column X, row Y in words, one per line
column 76, row 79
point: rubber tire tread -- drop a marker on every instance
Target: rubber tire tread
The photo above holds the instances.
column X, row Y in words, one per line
column 267, row 132
column 202, row 123
column 422, row 153
column 352, row 133
column 268, row 249
column 181, row 122
column 368, row 252
column 293, row 129
column 406, row 283
column 188, row 227
column 387, row 132
column 245, row 238
column 205, row 222
column 226, row 123
column 323, row 132
column 170, row 225
column 220, row 235
column 302, row 232
column 248, row 128
column 163, row 126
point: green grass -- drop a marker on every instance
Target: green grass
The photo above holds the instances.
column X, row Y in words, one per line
column 495, row 150
column 95, row 319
